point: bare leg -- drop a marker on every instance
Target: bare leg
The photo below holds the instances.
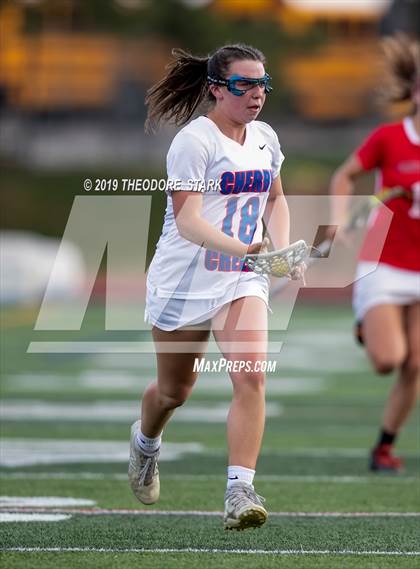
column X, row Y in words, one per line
column 246, row 418
column 385, row 337
column 175, row 381
column 404, row 392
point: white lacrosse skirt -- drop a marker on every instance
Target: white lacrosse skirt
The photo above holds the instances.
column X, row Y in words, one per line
column 172, row 313
column 384, row 285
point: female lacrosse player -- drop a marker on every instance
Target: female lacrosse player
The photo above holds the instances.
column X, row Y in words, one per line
column 387, row 300
column 223, row 175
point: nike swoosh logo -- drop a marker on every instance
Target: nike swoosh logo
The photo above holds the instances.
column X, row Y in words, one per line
column 262, row 147
column 233, row 477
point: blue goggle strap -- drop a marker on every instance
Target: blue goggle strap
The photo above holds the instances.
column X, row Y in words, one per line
column 230, row 83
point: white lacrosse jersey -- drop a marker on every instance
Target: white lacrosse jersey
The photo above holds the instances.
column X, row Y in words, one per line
column 236, row 180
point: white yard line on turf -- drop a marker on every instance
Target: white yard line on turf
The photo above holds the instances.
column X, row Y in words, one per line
column 204, row 550
column 29, row 452
column 24, row 517
column 204, row 513
column 205, row 477
column 17, row 452
column 123, row 381
column 106, row 347
column 112, row 411
column 302, row 351
column 9, row 502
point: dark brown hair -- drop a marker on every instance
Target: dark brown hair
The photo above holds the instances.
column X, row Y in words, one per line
column 402, row 59
column 176, row 96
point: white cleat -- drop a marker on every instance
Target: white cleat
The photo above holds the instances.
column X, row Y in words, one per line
column 243, row 507
column 143, row 472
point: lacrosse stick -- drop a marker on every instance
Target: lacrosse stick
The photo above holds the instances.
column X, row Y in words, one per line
column 357, row 219
column 280, row 263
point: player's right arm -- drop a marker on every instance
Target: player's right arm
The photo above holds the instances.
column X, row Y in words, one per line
column 367, row 157
column 193, row 227
column 342, row 184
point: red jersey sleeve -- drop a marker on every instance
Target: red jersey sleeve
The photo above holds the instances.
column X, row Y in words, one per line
column 370, row 153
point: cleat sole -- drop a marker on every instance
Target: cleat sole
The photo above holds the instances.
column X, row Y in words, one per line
column 252, row 518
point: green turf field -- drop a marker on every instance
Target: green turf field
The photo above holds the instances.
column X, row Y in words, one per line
column 65, row 428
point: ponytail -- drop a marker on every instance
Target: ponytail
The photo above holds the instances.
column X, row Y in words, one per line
column 178, row 94
column 402, row 58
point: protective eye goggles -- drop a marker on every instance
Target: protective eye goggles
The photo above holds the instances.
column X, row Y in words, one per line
column 238, row 85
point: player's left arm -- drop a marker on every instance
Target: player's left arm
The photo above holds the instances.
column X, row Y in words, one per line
column 276, row 216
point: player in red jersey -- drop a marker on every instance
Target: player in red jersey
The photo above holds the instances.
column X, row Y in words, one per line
column 387, row 300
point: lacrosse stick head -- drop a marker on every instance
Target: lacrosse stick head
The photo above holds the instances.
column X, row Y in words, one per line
column 278, row 263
